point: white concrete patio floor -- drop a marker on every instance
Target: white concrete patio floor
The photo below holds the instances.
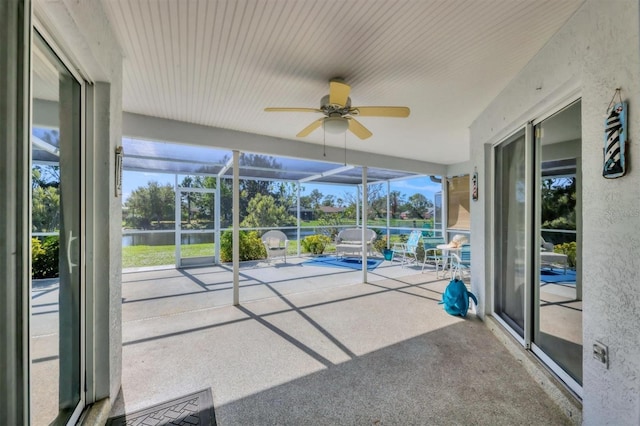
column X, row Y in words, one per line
column 313, row 345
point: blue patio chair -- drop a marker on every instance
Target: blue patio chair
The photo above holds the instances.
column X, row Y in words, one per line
column 432, row 254
column 427, row 230
column 408, row 249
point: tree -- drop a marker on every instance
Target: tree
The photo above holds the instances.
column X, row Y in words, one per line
column 396, row 198
column 45, row 212
column 418, row 204
column 315, row 197
column 558, row 203
column 45, row 198
column 262, row 212
column 151, row 203
column 377, row 201
column 329, row 200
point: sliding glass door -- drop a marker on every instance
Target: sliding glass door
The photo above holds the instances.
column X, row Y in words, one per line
column 510, row 232
column 537, row 240
column 57, row 257
column 557, row 287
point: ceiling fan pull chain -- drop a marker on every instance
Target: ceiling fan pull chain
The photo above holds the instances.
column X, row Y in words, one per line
column 324, row 141
column 345, row 148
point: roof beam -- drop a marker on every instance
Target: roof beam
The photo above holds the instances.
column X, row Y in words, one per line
column 226, row 167
column 162, row 129
column 327, row 173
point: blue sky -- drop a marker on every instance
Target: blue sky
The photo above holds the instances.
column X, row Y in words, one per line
column 423, row 185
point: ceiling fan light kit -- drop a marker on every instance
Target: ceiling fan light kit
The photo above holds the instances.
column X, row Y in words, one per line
column 339, row 114
column 335, row 125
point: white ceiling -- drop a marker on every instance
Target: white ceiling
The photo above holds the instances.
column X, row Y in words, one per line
column 220, row 63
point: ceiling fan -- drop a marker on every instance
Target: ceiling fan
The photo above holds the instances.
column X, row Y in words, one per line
column 339, row 115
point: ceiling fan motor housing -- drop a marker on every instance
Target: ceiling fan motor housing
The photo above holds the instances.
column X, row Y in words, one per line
column 333, row 110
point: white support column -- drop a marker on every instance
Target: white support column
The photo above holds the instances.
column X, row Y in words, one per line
column 298, row 195
column 365, row 205
column 177, row 226
column 236, row 227
column 357, row 205
column 216, row 222
column 388, row 214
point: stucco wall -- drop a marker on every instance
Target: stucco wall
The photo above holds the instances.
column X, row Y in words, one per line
column 596, row 51
column 84, row 34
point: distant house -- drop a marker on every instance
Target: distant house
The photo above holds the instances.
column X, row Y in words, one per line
column 305, row 214
column 331, row 209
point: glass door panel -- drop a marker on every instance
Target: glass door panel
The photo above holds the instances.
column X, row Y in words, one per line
column 56, row 296
column 510, row 200
column 197, row 227
column 557, row 301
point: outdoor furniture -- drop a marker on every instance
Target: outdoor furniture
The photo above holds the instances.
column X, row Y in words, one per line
column 445, row 258
column 276, row 244
column 349, row 241
column 432, row 254
column 408, row 249
column 549, row 259
column 461, row 262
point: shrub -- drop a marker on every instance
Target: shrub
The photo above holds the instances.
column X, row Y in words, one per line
column 570, row 250
column 380, row 244
column 44, row 257
column 315, row 243
column 251, row 247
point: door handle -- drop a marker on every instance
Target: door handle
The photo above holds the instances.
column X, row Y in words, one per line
column 71, row 264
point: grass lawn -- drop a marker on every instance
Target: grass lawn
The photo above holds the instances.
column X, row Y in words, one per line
column 136, row 256
column 139, row 256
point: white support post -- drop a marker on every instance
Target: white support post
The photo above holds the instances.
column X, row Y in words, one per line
column 298, row 233
column 357, row 205
column 216, row 222
column 177, row 226
column 365, row 205
column 388, row 214
column 236, row 227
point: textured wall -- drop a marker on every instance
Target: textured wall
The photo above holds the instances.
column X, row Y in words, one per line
column 595, row 52
column 84, row 33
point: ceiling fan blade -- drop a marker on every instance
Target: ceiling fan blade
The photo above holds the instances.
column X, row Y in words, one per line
column 358, row 129
column 338, row 93
column 380, row 111
column 310, row 128
column 271, row 109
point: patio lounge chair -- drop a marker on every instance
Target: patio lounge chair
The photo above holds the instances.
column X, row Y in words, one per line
column 407, row 250
column 276, row 244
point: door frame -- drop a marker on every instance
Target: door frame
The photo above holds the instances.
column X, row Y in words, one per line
column 40, row 28
column 532, row 154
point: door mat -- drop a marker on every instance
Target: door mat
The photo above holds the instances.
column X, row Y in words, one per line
column 193, row 409
column 343, row 262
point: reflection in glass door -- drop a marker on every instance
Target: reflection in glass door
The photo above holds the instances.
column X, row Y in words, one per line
column 510, row 231
column 56, row 305
column 557, row 301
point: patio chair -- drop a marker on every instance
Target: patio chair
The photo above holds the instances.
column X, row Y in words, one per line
column 407, row 250
column 461, row 262
column 276, row 244
column 432, row 254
